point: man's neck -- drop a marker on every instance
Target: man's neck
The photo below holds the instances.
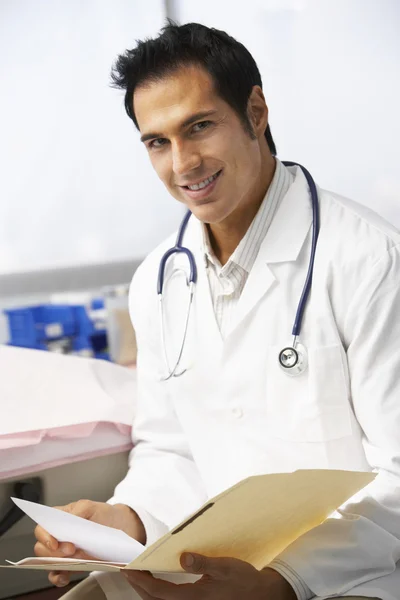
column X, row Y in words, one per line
column 226, row 236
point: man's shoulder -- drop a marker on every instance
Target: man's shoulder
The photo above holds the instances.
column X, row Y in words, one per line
column 356, row 226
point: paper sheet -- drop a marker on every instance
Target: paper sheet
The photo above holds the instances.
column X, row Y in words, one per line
column 104, row 543
column 64, row 564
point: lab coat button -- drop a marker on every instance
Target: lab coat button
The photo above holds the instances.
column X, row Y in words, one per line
column 237, row 412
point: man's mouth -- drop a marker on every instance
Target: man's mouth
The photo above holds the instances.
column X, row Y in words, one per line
column 202, row 184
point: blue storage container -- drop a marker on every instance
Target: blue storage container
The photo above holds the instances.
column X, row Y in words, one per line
column 60, row 328
column 33, row 326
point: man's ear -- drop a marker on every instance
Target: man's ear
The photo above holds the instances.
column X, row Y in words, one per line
column 257, row 111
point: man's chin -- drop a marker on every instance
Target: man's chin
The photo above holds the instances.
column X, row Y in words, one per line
column 208, row 213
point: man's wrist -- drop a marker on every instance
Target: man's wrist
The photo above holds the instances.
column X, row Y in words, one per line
column 277, row 585
column 135, row 526
column 300, row 587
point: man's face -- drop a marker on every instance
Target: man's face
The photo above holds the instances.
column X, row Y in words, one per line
column 194, row 138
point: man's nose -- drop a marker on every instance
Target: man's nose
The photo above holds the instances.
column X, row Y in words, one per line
column 185, row 158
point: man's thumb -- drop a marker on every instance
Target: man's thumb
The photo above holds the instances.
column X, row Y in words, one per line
column 199, row 564
column 81, row 508
column 194, row 563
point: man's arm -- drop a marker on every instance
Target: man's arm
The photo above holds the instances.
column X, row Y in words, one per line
column 163, row 484
column 361, row 541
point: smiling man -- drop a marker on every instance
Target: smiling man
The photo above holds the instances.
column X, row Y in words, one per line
column 196, row 97
column 203, row 152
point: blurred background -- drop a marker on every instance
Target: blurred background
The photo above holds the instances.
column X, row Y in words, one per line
column 80, row 206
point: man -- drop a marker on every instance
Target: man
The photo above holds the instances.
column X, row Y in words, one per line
column 195, row 95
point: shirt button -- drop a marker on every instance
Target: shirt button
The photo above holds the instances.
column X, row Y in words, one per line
column 237, row 412
column 228, row 287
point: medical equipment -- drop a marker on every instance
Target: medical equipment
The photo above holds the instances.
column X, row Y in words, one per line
column 292, row 359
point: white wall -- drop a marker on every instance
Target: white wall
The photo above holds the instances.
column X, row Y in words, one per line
column 76, row 185
column 330, row 71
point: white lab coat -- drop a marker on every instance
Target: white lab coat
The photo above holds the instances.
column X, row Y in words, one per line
column 234, row 413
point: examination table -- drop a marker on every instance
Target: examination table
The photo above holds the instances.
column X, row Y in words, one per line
column 65, row 434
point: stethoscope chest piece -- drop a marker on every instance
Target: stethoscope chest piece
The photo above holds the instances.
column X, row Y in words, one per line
column 293, row 360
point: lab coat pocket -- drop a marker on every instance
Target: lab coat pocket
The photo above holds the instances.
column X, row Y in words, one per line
column 313, row 406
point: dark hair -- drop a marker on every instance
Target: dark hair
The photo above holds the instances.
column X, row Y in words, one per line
column 231, row 66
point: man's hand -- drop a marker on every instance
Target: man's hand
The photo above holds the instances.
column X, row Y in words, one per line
column 118, row 516
column 223, row 579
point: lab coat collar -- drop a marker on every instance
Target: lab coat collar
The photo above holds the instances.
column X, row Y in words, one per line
column 290, row 224
column 283, row 242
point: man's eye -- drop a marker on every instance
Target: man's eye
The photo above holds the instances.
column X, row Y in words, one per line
column 157, row 143
column 200, row 126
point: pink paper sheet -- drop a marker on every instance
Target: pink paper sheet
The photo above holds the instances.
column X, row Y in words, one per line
column 31, row 438
column 39, row 450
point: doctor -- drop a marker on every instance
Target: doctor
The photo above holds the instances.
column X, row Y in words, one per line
column 195, row 95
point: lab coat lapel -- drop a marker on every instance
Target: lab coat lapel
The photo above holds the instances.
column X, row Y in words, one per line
column 282, row 243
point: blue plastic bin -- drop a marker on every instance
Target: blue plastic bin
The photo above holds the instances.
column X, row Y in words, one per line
column 49, row 326
column 33, row 326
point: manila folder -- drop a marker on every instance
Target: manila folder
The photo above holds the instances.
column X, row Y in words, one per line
column 255, row 519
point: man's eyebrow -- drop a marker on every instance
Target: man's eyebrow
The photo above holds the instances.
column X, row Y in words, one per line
column 196, row 117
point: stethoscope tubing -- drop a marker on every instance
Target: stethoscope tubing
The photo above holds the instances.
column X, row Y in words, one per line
column 315, row 232
column 178, row 249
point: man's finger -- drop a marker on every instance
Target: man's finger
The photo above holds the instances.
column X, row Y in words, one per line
column 220, row 568
column 59, row 578
column 81, row 508
column 64, row 550
column 45, row 538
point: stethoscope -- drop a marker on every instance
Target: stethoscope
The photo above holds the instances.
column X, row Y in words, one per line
column 292, row 359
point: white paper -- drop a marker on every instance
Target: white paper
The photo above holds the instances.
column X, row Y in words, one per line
column 99, row 541
column 37, row 560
